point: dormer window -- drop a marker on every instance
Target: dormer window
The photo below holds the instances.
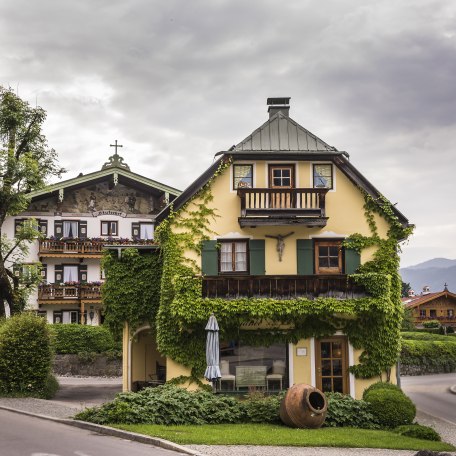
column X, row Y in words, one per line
column 242, row 176
column 322, row 176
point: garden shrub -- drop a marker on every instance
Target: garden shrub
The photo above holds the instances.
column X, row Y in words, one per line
column 343, row 410
column 50, row 387
column 173, row 405
column 431, row 356
column 380, row 385
column 75, row 338
column 418, row 432
column 259, row 409
column 25, row 356
column 431, row 324
column 168, row 405
column 414, row 335
column 391, row 408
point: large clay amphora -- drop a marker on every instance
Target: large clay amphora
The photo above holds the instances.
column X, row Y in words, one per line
column 303, row 407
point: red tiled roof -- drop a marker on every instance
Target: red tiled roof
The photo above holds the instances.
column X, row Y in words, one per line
column 421, row 299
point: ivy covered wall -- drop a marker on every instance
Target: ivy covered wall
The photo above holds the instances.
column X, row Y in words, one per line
column 371, row 323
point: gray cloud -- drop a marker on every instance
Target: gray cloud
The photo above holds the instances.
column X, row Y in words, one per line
column 177, row 81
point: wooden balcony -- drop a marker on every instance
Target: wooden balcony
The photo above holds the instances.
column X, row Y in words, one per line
column 442, row 319
column 281, row 287
column 285, row 206
column 57, row 293
column 71, row 248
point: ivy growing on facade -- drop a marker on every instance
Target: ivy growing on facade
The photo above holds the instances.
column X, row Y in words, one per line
column 371, row 323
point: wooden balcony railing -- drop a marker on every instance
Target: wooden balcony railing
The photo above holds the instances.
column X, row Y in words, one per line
column 281, row 287
column 54, row 291
column 71, row 246
column 273, row 206
column 440, row 318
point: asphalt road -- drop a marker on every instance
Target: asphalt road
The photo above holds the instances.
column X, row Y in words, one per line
column 28, row 436
column 431, row 394
column 87, row 392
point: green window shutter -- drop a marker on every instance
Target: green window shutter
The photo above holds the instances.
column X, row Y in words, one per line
column 82, row 230
column 257, row 257
column 305, row 254
column 209, row 258
column 58, row 229
column 82, row 273
column 352, row 261
column 58, row 273
column 135, row 231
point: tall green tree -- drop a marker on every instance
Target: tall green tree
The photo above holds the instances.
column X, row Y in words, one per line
column 26, row 163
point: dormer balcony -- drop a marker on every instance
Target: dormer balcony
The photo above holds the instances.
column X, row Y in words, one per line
column 282, row 206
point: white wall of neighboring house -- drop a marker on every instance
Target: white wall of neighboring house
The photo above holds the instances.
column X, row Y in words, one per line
column 93, row 264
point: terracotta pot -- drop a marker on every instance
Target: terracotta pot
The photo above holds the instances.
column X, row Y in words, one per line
column 303, row 407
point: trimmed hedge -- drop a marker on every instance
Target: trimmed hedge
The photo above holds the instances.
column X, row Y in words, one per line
column 380, row 385
column 418, row 431
column 429, row 356
column 26, row 357
column 412, row 335
column 391, row 408
column 74, row 339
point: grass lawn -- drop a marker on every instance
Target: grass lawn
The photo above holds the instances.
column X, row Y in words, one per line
column 263, row 434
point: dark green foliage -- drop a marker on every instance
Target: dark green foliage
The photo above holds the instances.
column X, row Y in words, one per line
column 25, row 356
column 131, row 292
column 418, row 432
column 407, row 321
column 431, row 356
column 391, row 408
column 415, row 335
column 405, row 288
column 51, row 387
column 380, row 385
column 344, row 411
column 83, row 339
column 172, row 405
column 450, row 330
column 260, row 409
column 26, row 163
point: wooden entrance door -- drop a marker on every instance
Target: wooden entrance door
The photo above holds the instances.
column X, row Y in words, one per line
column 281, row 177
column 332, row 364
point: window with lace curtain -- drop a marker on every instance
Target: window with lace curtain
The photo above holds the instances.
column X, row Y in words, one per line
column 233, row 256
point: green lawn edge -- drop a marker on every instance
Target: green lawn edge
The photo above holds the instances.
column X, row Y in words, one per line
column 274, row 435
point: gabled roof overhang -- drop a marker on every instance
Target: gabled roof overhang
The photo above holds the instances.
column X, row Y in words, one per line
column 124, row 176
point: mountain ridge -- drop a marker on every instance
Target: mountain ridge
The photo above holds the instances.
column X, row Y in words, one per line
column 434, row 273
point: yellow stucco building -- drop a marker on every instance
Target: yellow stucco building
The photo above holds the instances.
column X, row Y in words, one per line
column 280, row 205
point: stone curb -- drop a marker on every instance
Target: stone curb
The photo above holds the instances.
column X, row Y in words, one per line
column 453, row 389
column 106, row 430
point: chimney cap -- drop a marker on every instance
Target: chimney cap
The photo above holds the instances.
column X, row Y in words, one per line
column 278, row 101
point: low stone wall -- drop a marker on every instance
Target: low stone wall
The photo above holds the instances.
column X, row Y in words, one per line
column 87, row 366
column 423, row 370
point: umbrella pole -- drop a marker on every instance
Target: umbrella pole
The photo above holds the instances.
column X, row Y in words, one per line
column 214, row 386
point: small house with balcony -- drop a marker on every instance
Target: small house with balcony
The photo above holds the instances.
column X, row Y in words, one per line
column 259, row 240
column 429, row 306
column 77, row 218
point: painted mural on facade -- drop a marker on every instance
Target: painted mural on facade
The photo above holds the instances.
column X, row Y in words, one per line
column 100, row 197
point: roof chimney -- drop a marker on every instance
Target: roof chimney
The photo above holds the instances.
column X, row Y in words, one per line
column 278, row 104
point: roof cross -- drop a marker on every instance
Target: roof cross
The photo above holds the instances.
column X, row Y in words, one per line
column 116, row 146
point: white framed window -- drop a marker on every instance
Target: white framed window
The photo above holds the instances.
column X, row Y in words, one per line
column 233, row 256
column 146, row 231
column 70, row 229
column 322, row 175
column 109, row 228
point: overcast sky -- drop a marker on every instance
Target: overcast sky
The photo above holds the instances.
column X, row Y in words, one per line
column 176, row 81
